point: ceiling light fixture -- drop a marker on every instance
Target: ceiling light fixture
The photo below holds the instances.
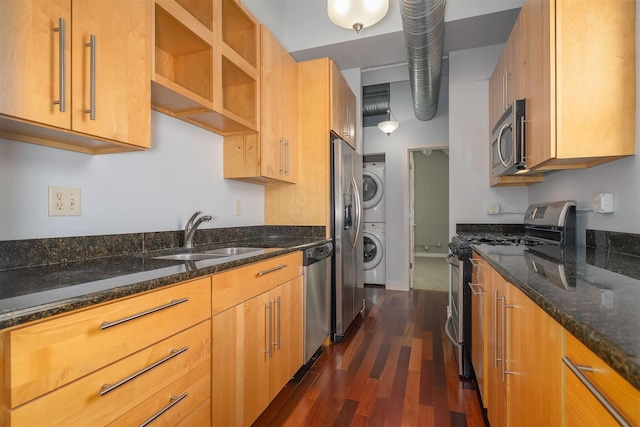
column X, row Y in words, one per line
column 357, row 14
column 388, row 125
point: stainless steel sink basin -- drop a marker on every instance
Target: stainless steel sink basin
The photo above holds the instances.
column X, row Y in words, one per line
column 233, row 251
column 191, row 256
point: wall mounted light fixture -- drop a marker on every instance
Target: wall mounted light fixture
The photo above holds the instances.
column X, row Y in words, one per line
column 356, row 14
column 388, row 125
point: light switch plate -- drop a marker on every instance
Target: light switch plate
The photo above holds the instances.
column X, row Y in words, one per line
column 64, row 201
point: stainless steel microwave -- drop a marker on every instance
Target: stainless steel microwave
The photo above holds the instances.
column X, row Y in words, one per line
column 507, row 141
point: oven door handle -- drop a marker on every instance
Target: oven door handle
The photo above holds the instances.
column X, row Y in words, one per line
column 448, row 332
column 452, row 260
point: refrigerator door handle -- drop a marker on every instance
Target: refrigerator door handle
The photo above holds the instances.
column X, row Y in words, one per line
column 356, row 194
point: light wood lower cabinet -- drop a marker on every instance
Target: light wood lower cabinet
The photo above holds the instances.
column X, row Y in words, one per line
column 523, row 384
column 257, row 342
column 583, row 406
column 479, row 333
column 55, row 369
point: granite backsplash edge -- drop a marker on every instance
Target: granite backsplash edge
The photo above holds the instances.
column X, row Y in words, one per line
column 39, row 252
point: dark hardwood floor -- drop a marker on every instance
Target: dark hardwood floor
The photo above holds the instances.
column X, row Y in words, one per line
column 396, row 367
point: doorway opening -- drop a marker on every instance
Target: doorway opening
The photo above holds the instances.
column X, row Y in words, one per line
column 429, row 217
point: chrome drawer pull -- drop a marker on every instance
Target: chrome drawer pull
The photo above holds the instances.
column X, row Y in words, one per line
column 106, row 388
column 92, row 79
column 174, row 400
column 476, row 263
column 277, row 343
column 269, row 349
column 106, row 325
column 473, row 287
column 271, row 270
column 61, row 30
column 596, row 393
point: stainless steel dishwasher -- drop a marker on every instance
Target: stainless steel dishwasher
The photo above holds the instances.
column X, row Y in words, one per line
column 317, row 297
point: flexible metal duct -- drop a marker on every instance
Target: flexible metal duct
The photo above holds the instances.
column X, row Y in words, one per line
column 375, row 105
column 423, row 25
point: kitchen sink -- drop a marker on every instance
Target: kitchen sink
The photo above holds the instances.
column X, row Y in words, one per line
column 233, row 251
column 194, row 256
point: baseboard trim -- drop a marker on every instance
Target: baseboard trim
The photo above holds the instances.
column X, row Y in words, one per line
column 396, row 287
column 429, row 255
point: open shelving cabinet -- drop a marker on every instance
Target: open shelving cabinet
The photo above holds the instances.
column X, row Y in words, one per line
column 206, row 64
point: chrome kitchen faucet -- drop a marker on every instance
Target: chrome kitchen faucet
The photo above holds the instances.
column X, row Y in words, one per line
column 192, row 226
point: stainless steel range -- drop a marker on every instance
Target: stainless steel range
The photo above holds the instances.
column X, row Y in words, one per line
column 549, row 236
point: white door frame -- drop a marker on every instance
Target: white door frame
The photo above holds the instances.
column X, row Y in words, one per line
column 409, row 255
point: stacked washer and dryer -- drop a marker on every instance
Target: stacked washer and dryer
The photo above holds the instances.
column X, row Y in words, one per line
column 373, row 189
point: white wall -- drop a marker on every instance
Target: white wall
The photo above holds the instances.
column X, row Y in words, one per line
column 156, row 190
column 411, row 132
column 620, row 177
column 469, row 190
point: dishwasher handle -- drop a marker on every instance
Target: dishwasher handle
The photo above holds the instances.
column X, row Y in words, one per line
column 317, row 253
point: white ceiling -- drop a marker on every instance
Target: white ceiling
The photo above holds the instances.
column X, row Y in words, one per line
column 304, row 29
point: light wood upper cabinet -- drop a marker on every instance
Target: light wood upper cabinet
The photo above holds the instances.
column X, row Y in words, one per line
column 278, row 138
column 507, row 84
column 42, row 60
column 343, row 107
column 205, row 68
column 307, row 202
column 580, row 83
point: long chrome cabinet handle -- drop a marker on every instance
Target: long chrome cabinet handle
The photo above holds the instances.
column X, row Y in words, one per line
column 110, row 387
column 92, row 96
column 286, row 157
column 269, row 350
column 271, row 270
column 577, row 370
column 281, row 156
column 279, row 337
column 61, row 30
column 480, row 293
column 174, row 400
column 106, row 325
column 495, row 328
column 503, row 370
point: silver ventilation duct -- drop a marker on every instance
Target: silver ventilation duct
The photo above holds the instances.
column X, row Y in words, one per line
column 375, row 105
column 423, row 25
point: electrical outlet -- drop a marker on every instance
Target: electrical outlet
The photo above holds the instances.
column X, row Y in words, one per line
column 603, row 203
column 493, row 208
column 238, row 208
column 64, row 201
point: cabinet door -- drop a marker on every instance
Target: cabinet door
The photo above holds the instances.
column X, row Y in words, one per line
column 540, row 110
column 478, row 325
column 350, row 125
column 121, row 71
column 290, row 115
column 271, row 137
column 337, row 102
column 240, row 362
column 496, row 95
column 241, row 156
column 497, row 386
column 535, row 377
column 288, row 322
column 30, row 60
column 514, row 50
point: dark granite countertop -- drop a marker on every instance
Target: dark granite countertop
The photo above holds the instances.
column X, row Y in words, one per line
column 34, row 293
column 595, row 296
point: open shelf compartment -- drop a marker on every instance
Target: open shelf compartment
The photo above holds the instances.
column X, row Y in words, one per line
column 240, row 31
column 183, row 63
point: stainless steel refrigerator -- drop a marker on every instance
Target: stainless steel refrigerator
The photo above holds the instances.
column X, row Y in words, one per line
column 346, row 230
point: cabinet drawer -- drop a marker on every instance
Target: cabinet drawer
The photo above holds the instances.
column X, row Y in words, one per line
column 233, row 287
column 616, row 390
column 52, row 353
column 105, row 395
column 174, row 404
